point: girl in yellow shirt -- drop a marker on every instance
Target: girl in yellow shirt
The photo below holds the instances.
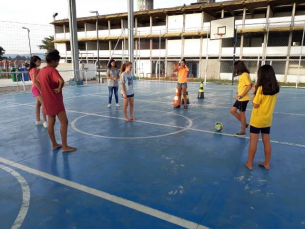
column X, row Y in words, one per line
column 264, row 100
column 182, row 70
column 243, row 96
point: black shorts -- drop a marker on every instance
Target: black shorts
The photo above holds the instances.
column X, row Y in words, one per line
column 129, row 96
column 254, row 130
column 241, row 105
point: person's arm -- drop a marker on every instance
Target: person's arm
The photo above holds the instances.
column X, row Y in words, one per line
column 122, row 82
column 247, row 82
column 108, row 75
column 176, row 67
column 57, row 78
column 35, row 81
column 257, row 98
column 61, row 84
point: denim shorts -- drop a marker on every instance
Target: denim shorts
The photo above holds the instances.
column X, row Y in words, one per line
column 182, row 85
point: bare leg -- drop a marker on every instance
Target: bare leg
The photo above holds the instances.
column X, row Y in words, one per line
column 243, row 121
column 267, row 149
column 42, row 108
column 125, row 109
column 131, row 100
column 51, row 124
column 37, row 109
column 252, row 150
column 62, row 116
column 184, row 96
column 234, row 112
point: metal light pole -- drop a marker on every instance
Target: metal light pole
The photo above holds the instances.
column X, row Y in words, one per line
column 97, row 46
column 130, row 32
column 29, row 40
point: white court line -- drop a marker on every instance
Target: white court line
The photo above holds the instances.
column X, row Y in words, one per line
column 107, row 196
column 188, row 128
column 152, row 123
column 151, row 101
column 130, row 138
column 26, row 195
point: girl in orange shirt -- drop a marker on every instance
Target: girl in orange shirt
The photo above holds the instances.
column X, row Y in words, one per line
column 182, row 70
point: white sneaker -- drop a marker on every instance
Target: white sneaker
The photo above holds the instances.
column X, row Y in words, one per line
column 109, row 105
column 45, row 124
column 118, row 105
column 38, row 123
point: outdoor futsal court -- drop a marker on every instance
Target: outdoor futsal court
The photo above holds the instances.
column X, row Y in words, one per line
column 169, row 169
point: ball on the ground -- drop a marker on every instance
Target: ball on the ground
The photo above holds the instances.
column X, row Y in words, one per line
column 218, row 126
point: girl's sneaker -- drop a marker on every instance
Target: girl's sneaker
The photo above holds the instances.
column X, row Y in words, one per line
column 45, row 124
column 118, row 105
column 240, row 134
column 38, row 123
column 109, row 105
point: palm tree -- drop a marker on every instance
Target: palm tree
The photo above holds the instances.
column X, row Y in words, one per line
column 2, row 51
column 47, row 43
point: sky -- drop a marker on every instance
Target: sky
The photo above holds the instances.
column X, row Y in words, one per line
column 37, row 14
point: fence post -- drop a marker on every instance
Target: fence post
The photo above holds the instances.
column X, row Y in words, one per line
column 300, row 60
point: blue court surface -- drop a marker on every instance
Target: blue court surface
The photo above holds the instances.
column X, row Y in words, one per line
column 169, row 169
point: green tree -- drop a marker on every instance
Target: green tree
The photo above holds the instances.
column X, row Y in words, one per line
column 2, row 51
column 47, row 43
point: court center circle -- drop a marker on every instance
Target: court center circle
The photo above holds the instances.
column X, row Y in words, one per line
column 190, row 124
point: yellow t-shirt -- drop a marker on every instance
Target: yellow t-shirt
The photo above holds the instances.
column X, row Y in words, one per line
column 182, row 74
column 262, row 116
column 243, row 82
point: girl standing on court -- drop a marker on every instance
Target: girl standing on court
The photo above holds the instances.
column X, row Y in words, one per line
column 243, row 96
column 51, row 87
column 264, row 100
column 113, row 85
column 33, row 72
column 126, row 82
column 182, row 70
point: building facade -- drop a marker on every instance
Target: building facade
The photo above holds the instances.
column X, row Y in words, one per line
column 268, row 31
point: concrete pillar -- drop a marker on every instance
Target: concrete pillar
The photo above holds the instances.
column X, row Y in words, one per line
column 166, row 19
column 150, row 23
column 266, row 35
column 109, row 27
column 166, row 51
column 242, row 35
column 220, row 43
column 290, row 41
column 73, row 39
column 182, row 37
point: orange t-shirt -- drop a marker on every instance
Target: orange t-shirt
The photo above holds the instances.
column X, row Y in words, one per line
column 182, row 74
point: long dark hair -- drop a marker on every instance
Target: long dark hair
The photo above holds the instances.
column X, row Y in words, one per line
column 240, row 68
column 109, row 64
column 34, row 59
column 267, row 79
column 52, row 56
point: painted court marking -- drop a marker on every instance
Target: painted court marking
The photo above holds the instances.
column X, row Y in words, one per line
column 205, row 131
column 106, row 196
column 190, row 123
column 26, row 195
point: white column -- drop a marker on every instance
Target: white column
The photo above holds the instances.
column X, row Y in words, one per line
column 73, row 39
